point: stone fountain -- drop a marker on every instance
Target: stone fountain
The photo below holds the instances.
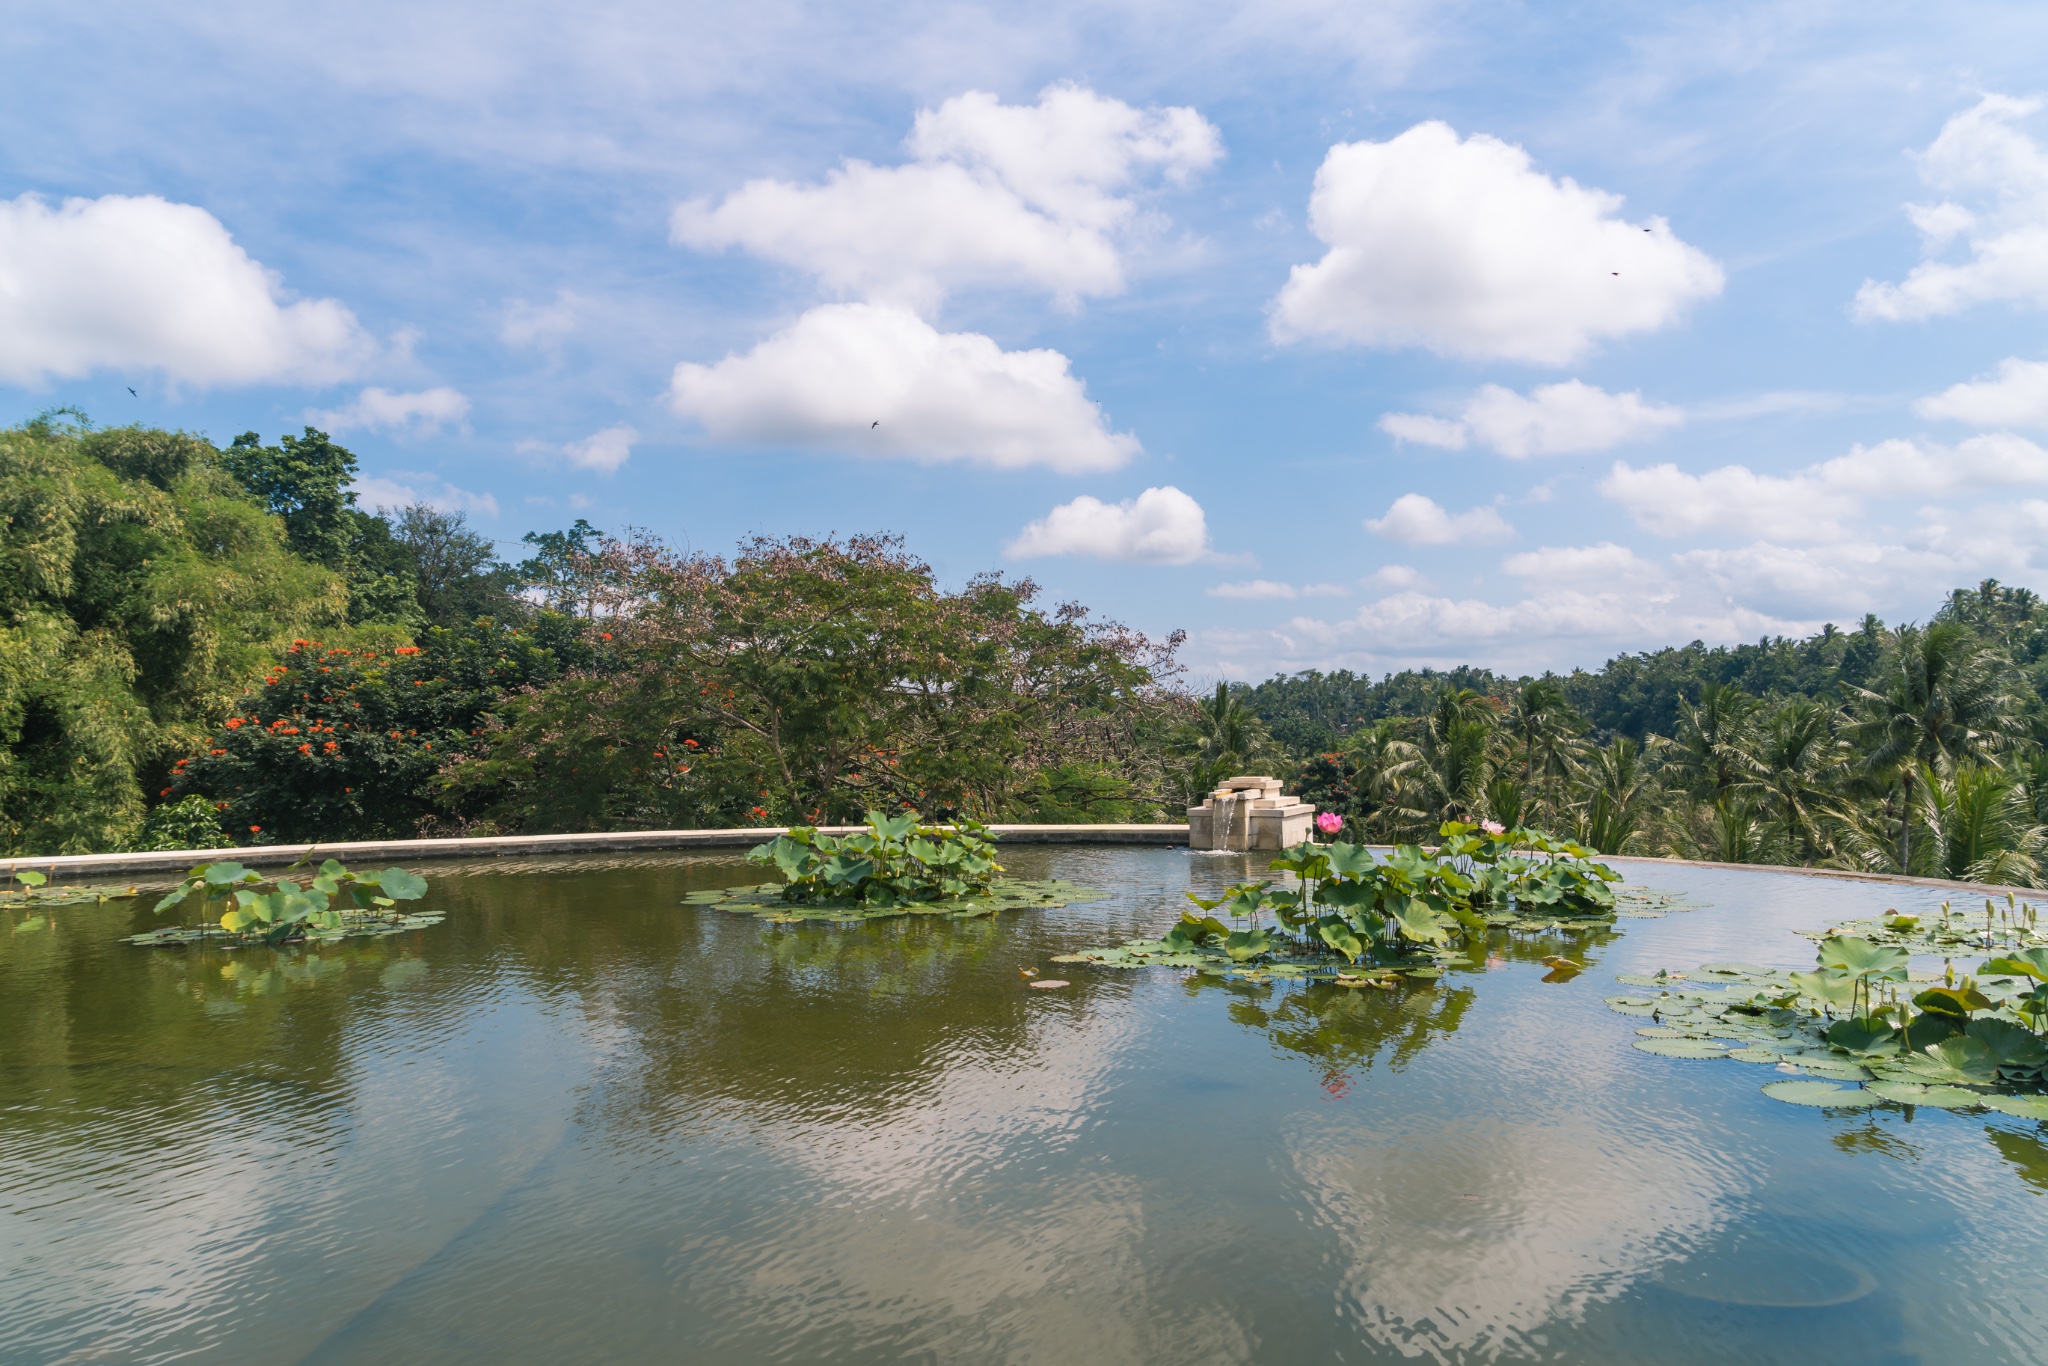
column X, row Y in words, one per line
column 1249, row 813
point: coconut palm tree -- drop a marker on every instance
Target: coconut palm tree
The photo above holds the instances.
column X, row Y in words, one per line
column 1712, row 751
column 1799, row 768
column 1610, row 818
column 1226, row 738
column 1542, row 731
column 1945, row 699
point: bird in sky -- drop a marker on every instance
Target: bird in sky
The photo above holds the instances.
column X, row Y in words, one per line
column 876, row 423
column 132, row 393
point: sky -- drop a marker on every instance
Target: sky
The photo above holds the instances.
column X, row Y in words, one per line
column 1360, row 335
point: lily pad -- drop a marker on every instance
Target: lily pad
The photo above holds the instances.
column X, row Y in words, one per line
column 1821, row 1093
column 1682, row 1048
column 1934, row 1097
column 2026, row 1107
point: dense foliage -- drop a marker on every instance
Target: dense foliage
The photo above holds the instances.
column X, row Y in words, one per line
column 809, row 682
column 1914, row 749
column 201, row 647
column 895, row 859
column 1405, row 911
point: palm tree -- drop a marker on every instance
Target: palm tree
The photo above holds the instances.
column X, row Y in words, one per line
column 1712, row 751
column 1543, row 731
column 1799, row 768
column 1983, row 827
column 1947, row 699
column 1615, row 779
column 1227, row 738
column 1380, row 762
column 1453, row 761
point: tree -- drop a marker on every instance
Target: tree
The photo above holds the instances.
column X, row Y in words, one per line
column 456, row 571
column 1947, row 699
column 1224, row 739
column 305, row 480
column 1799, row 767
column 809, row 681
column 141, row 591
column 1611, row 817
column 1711, row 751
column 343, row 743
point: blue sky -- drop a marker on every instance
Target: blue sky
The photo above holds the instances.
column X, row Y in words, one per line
column 1336, row 334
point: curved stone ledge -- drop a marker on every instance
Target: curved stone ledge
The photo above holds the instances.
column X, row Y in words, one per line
column 502, row 846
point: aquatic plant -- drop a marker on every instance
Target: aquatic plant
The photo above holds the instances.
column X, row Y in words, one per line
column 329, row 905
column 1854, row 1035
column 897, row 866
column 1399, row 912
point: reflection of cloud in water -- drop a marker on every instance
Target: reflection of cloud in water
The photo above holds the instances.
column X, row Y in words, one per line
column 1468, row 1235
column 974, row 1250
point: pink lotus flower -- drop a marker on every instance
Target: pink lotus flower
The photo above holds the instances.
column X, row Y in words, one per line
column 1329, row 822
column 1493, row 827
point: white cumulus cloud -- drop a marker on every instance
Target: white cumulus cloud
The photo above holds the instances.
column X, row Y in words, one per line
column 1983, row 157
column 871, row 379
column 132, row 283
column 996, row 195
column 1554, row 419
column 2016, row 397
column 603, row 451
column 1815, row 503
column 1159, row 526
column 374, row 409
column 392, row 494
column 1417, row 520
column 1256, row 590
column 1464, row 248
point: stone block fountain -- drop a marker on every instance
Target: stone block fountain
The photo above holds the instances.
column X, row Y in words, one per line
column 1249, row 813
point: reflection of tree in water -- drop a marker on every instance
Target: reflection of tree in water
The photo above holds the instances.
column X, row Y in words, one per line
column 1348, row 1030
column 2026, row 1153
column 98, row 1029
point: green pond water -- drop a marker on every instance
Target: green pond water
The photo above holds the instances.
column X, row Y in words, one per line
column 580, row 1122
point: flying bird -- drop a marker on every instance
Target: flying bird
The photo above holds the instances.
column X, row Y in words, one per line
column 132, row 393
column 1614, row 272
column 876, row 423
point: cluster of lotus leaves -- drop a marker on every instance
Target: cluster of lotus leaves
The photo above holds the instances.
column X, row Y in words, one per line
column 322, row 908
column 1969, row 1045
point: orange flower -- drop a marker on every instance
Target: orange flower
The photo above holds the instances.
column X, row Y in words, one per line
column 255, row 829
column 165, row 793
column 330, row 747
column 234, row 723
column 305, row 749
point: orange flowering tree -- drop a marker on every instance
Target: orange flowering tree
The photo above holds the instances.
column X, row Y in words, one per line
column 342, row 744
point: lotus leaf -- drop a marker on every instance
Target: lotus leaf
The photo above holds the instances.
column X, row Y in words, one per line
column 1819, row 1093
column 1682, row 1048
column 1860, row 958
column 1958, row 1059
column 1631, row 1005
column 1341, row 938
column 2026, row 1107
column 1834, row 1068
column 1864, row 1037
column 1828, row 986
column 2014, row 1047
column 1934, row 1097
column 2027, row 962
column 1958, row 1001
column 1931, row 1028
column 1245, row 945
column 1753, row 1055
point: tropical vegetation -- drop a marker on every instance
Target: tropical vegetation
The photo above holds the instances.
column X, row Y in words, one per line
column 203, row 647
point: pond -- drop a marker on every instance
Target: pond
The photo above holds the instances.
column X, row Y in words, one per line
column 579, row 1120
